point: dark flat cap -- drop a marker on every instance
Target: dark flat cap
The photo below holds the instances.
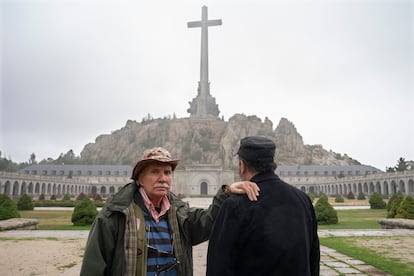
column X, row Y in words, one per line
column 257, row 149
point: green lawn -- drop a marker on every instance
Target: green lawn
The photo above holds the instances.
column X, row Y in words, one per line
column 350, row 247
column 348, row 219
column 53, row 220
column 357, row 219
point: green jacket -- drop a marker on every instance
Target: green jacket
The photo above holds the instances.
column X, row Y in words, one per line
column 117, row 246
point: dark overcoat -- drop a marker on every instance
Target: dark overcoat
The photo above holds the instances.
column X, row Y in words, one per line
column 275, row 235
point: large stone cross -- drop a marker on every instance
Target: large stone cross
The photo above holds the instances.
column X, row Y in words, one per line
column 204, row 104
column 204, row 24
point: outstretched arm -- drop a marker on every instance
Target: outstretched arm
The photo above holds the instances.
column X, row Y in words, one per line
column 244, row 187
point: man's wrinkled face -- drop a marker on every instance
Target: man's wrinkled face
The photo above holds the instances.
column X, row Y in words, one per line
column 156, row 180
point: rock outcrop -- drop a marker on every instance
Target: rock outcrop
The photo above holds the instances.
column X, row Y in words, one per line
column 206, row 141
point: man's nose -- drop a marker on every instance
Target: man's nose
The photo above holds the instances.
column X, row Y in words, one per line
column 162, row 176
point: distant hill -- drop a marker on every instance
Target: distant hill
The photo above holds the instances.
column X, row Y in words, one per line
column 206, row 141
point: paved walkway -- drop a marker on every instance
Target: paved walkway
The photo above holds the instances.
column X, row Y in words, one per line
column 332, row 262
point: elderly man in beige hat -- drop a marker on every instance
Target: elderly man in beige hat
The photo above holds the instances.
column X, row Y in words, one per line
column 145, row 229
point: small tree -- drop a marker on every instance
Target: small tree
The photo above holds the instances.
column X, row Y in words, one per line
column 361, row 196
column 25, row 203
column 325, row 213
column 84, row 213
column 350, row 195
column 8, row 208
column 42, row 197
column 66, row 197
column 53, row 197
column 394, row 204
column 97, row 197
column 406, row 209
column 377, row 202
column 81, row 196
column 339, row 199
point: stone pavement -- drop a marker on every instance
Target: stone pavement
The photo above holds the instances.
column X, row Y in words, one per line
column 332, row 262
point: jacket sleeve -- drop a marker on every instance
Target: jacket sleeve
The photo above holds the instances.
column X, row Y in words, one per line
column 97, row 259
column 223, row 244
column 197, row 222
column 315, row 249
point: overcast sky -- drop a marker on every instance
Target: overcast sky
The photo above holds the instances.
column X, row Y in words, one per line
column 341, row 71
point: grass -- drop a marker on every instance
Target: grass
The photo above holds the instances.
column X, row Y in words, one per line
column 53, row 220
column 357, row 219
column 348, row 219
column 349, row 247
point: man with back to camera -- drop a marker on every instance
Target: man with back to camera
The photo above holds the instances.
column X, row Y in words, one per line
column 275, row 235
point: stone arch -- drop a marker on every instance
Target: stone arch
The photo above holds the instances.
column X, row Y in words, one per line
column 54, row 188
column 371, row 187
column 59, row 189
column 211, row 180
column 23, row 188
column 401, row 187
column 49, row 188
column 43, row 188
column 386, row 188
column 7, row 188
column 410, row 187
column 378, row 188
column 112, row 190
column 312, row 189
column 15, row 189
column 204, row 188
column 365, row 188
column 103, row 190
column 31, row 190
column 360, row 188
column 394, row 188
column 94, row 190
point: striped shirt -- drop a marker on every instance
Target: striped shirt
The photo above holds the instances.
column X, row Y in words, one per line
column 160, row 250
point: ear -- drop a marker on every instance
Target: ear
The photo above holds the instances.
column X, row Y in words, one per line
column 242, row 167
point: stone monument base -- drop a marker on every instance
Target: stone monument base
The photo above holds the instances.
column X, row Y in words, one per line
column 18, row 224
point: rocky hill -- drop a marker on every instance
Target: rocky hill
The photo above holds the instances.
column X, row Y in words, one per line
column 206, row 141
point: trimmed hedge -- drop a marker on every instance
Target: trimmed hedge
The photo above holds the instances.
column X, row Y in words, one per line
column 8, row 208
column 406, row 209
column 25, row 202
column 84, row 213
column 393, row 204
column 325, row 213
column 377, row 202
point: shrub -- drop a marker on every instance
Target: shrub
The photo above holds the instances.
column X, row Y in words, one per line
column 361, row 196
column 66, row 197
column 97, row 197
column 81, row 196
column 325, row 213
column 53, row 197
column 350, row 195
column 42, row 197
column 84, row 213
column 393, row 204
column 25, row 203
column 339, row 199
column 8, row 208
column 406, row 209
column 377, row 202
